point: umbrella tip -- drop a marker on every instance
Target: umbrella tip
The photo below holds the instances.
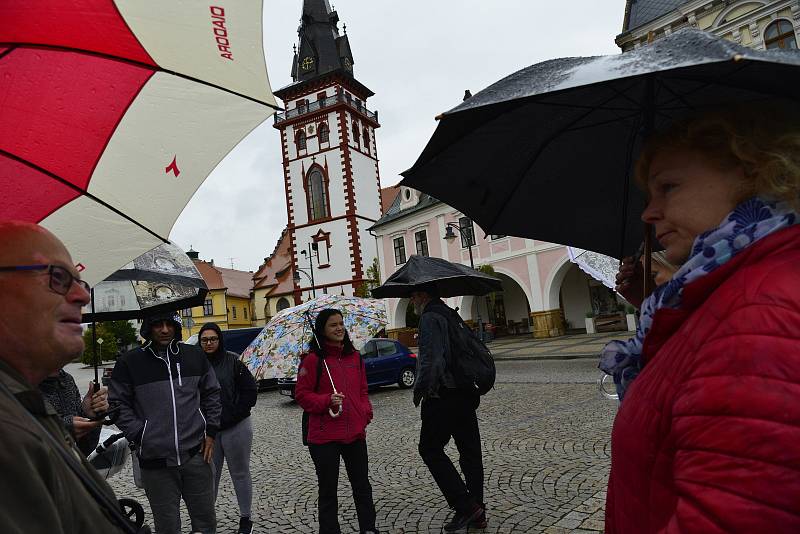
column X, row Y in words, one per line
column 738, row 57
column 439, row 117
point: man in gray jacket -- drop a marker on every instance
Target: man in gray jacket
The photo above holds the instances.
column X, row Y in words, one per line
column 448, row 411
column 169, row 406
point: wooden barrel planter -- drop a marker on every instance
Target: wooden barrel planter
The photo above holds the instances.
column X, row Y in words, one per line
column 549, row 323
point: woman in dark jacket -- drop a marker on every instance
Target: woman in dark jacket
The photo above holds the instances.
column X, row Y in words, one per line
column 234, row 440
column 338, row 419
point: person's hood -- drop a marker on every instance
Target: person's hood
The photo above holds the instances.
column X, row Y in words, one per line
column 215, row 328
column 167, row 316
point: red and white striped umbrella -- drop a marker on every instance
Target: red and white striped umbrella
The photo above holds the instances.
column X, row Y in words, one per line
column 112, row 113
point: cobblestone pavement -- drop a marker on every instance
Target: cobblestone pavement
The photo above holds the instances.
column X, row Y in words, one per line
column 546, row 454
column 570, row 346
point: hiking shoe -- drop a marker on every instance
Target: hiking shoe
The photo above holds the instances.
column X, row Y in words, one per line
column 462, row 521
column 245, row 526
column 480, row 521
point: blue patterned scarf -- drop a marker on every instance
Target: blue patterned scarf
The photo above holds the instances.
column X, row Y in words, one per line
column 750, row 221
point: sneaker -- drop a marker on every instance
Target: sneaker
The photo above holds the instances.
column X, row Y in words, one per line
column 462, row 521
column 480, row 521
column 245, row 526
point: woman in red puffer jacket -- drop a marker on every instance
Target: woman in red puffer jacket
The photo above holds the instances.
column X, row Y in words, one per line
column 338, row 419
column 707, row 438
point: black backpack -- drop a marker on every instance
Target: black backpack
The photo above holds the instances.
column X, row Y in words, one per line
column 471, row 362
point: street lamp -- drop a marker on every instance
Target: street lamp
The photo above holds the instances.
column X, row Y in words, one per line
column 463, row 231
column 469, row 233
column 311, row 246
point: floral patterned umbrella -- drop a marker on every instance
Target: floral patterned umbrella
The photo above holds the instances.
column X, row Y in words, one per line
column 275, row 352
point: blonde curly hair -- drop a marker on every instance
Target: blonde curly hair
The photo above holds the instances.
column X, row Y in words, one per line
column 763, row 140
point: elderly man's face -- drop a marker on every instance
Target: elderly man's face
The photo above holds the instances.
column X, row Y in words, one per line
column 40, row 329
column 419, row 299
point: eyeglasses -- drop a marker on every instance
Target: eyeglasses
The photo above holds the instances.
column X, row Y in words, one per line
column 209, row 340
column 61, row 279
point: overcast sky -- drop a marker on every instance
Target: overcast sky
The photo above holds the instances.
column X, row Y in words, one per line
column 418, row 56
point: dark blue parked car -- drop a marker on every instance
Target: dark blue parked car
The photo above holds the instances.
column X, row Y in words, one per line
column 387, row 362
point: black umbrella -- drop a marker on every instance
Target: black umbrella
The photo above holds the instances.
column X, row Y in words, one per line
column 548, row 152
column 162, row 280
column 450, row 279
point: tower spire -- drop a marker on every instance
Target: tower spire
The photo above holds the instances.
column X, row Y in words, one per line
column 321, row 49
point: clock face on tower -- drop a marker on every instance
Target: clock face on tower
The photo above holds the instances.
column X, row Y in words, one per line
column 307, row 63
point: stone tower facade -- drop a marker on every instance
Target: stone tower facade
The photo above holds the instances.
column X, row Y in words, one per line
column 330, row 163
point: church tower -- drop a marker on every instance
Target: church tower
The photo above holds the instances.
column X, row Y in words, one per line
column 330, row 163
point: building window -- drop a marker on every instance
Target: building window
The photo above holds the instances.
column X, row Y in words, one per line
column 283, row 303
column 780, row 34
column 324, row 133
column 399, row 251
column 421, row 240
column 186, row 312
column 208, row 307
column 356, row 134
column 321, row 99
column 317, row 195
column 301, row 140
column 497, row 236
column 234, row 312
column 245, row 313
column 467, row 232
column 366, row 140
column 111, row 301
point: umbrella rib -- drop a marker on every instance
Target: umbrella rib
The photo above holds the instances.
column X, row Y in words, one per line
column 4, row 53
column 83, row 192
column 141, row 64
column 601, row 123
column 538, row 153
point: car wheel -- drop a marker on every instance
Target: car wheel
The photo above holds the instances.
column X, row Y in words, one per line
column 407, row 378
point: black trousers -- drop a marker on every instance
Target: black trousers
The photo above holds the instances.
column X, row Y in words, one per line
column 326, row 461
column 453, row 415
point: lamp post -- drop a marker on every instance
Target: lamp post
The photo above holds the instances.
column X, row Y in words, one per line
column 311, row 246
column 296, row 277
column 469, row 233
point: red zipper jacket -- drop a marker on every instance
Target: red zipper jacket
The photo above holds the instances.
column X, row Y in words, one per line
column 708, row 437
column 350, row 377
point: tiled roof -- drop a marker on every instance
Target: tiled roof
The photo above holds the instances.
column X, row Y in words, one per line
column 276, row 270
column 210, row 274
column 394, row 212
column 239, row 283
column 388, row 194
column 643, row 11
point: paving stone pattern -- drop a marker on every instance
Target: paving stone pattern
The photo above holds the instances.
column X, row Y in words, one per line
column 546, row 455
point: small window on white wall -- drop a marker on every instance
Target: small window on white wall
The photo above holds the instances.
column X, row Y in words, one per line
column 421, row 242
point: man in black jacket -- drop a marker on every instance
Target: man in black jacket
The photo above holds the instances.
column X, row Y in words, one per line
column 169, row 406
column 447, row 411
column 234, row 440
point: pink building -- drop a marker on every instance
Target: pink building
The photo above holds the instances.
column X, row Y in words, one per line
column 537, row 276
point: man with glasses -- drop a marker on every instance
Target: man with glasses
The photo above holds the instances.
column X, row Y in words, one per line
column 45, row 480
column 169, row 407
column 235, row 437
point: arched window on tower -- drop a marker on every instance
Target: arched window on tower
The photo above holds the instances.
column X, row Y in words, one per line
column 317, row 195
column 366, row 140
column 324, row 133
column 301, row 140
column 356, row 133
column 780, row 34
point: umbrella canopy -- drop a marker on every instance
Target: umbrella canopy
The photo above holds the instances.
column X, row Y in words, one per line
column 113, row 113
column 599, row 266
column 161, row 280
column 548, row 152
column 276, row 352
column 450, row 279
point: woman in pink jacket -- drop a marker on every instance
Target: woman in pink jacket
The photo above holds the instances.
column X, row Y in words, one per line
column 707, row 438
column 337, row 420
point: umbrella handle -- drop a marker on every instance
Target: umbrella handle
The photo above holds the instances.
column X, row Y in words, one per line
column 330, row 410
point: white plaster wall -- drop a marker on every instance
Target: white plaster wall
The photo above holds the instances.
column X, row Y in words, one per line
column 365, row 182
column 335, row 185
column 340, row 268
column 575, row 296
column 369, row 250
